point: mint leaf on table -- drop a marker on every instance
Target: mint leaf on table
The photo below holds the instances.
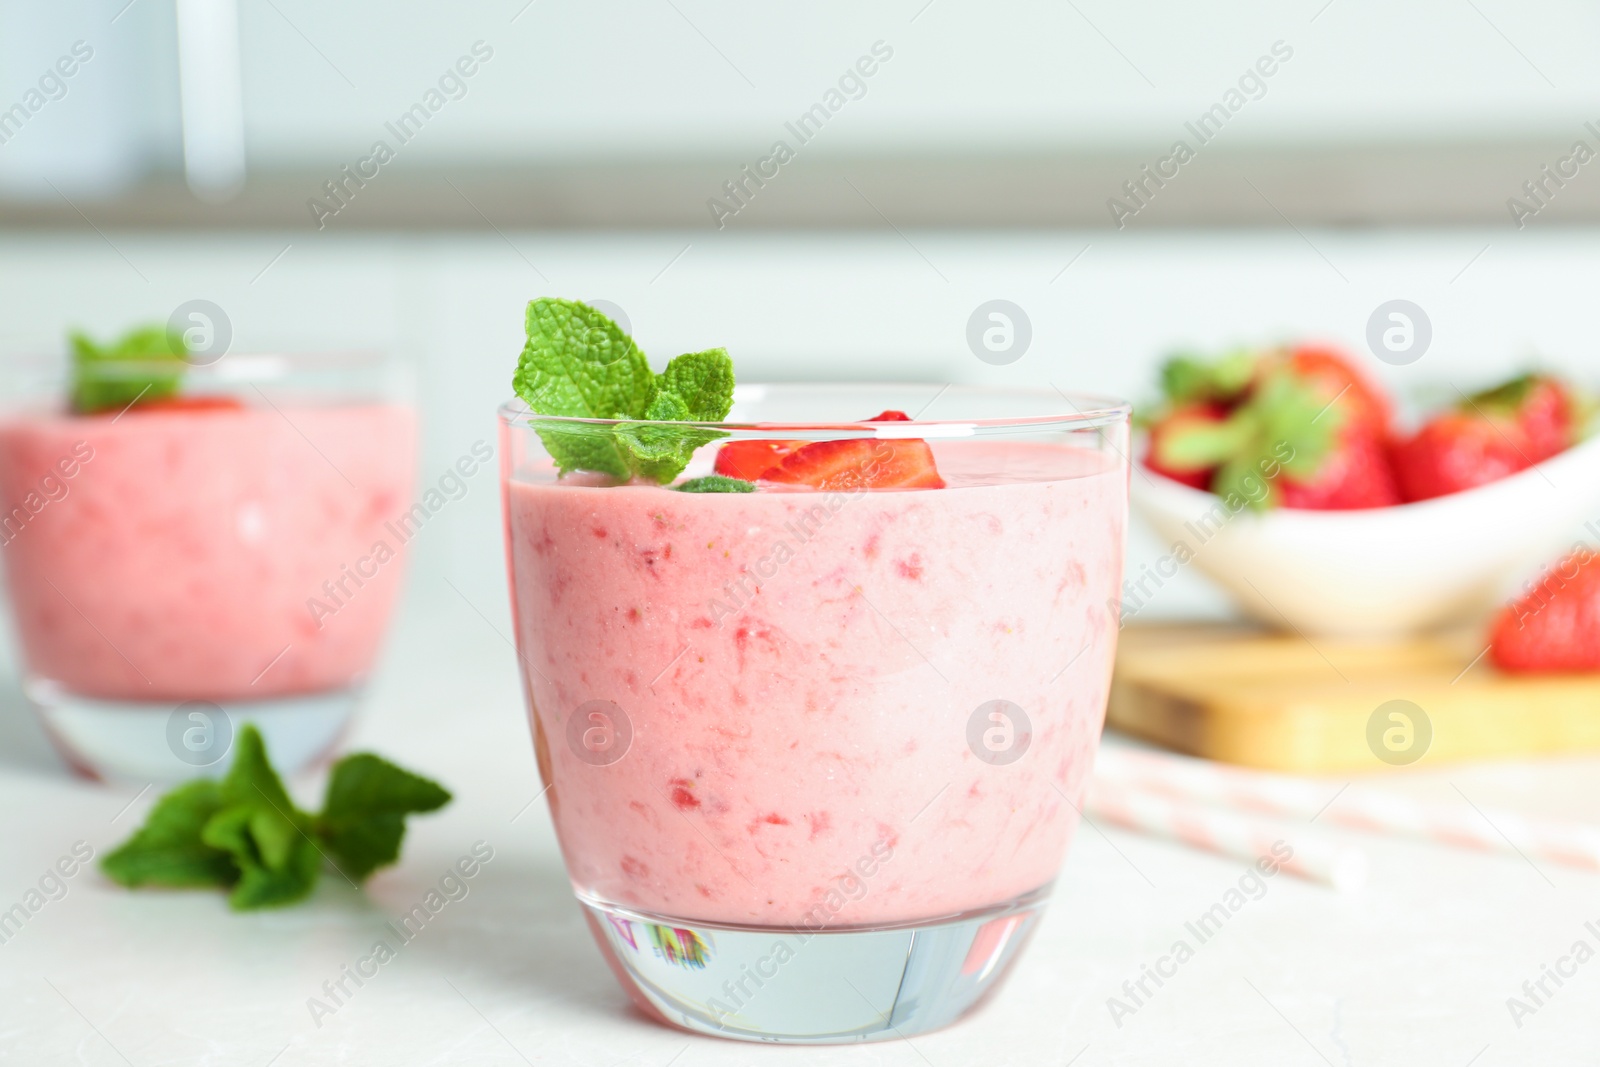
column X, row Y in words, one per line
column 716, row 483
column 268, row 838
column 167, row 849
column 363, row 816
column 245, row 834
column 278, row 863
column 96, row 383
column 577, row 363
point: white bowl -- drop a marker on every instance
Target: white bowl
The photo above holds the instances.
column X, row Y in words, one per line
column 1382, row 572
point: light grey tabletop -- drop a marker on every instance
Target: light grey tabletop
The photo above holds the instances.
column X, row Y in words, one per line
column 1417, row 969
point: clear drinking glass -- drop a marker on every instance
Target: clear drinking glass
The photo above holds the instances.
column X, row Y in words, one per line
column 180, row 567
column 814, row 758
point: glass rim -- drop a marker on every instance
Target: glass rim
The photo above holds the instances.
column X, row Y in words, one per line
column 1087, row 411
column 230, row 366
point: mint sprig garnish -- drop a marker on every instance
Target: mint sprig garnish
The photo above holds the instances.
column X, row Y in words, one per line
column 245, row 834
column 97, row 384
column 577, row 363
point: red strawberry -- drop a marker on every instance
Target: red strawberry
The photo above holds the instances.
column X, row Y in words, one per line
column 1165, row 459
column 1354, row 474
column 1286, row 444
column 1556, row 627
column 1490, row 435
column 749, row 460
column 863, row 463
column 1459, row 450
column 1546, row 409
column 1548, row 418
column 1335, row 377
column 189, row 403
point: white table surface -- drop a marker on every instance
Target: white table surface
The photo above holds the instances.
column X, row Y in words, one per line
column 1415, row 970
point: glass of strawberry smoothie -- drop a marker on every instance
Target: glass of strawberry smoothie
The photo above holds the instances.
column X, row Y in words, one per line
column 229, row 554
column 814, row 752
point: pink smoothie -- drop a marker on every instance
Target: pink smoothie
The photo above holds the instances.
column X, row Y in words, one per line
column 800, row 669
column 183, row 555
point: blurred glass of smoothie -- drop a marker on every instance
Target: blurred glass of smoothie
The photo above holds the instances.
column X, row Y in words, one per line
column 814, row 752
column 222, row 550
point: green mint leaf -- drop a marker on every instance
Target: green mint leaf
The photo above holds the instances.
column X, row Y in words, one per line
column 577, row 363
column 168, row 850
column 268, row 838
column 695, row 387
column 251, row 780
column 244, row 832
column 586, row 449
column 661, row 452
column 668, row 406
column 96, row 383
column 278, row 861
column 703, row 381
column 363, row 815
column 716, row 483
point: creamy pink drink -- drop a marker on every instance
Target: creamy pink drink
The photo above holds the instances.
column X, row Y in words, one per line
column 185, row 555
column 193, row 540
column 799, row 670
column 815, row 732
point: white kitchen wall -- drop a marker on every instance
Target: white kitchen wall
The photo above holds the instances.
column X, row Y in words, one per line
column 619, row 77
column 717, row 78
column 864, row 306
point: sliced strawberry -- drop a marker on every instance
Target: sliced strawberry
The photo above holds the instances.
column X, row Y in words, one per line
column 890, row 416
column 1556, row 627
column 1165, row 459
column 189, row 403
column 860, row 464
column 1459, row 450
column 749, row 460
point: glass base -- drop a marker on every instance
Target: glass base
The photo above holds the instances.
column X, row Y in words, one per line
column 170, row 741
column 798, row 986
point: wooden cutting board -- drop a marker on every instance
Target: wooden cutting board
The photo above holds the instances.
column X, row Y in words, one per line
column 1284, row 702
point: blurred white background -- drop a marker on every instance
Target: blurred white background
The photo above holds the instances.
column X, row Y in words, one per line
column 577, row 158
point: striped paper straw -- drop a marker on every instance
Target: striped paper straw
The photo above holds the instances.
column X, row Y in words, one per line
column 1311, row 855
column 1181, row 778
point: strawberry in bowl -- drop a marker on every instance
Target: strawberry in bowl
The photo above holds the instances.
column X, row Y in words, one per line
column 1489, row 436
column 1297, row 491
column 1304, row 429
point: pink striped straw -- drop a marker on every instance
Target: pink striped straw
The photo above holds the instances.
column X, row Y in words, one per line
column 1194, row 781
column 1300, row 851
